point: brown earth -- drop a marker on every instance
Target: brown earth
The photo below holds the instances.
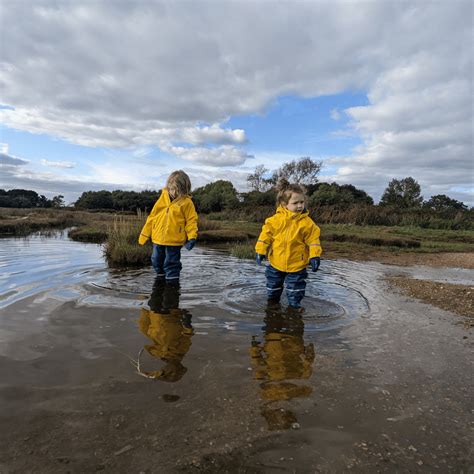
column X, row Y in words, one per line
column 445, row 259
column 458, row 299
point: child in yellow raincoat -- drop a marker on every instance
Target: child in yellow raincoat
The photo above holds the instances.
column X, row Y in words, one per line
column 171, row 224
column 290, row 240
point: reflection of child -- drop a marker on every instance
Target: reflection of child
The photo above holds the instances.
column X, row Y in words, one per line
column 170, row 330
column 171, row 223
column 290, row 239
column 282, row 356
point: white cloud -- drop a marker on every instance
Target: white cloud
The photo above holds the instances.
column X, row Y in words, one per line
column 58, row 164
column 225, row 155
column 169, row 74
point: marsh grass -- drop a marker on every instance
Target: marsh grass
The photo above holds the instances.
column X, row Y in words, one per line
column 347, row 239
column 207, row 224
column 89, row 234
column 121, row 248
column 245, row 250
column 21, row 222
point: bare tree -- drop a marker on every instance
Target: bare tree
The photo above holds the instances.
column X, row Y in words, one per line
column 256, row 180
column 302, row 171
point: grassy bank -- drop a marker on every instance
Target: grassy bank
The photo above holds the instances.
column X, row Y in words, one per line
column 342, row 240
column 21, row 222
column 120, row 233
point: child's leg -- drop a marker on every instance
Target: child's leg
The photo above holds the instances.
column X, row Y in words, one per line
column 171, row 295
column 172, row 264
column 158, row 259
column 275, row 280
column 295, row 287
column 156, row 299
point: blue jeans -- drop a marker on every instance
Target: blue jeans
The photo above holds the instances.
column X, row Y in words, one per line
column 166, row 260
column 295, row 285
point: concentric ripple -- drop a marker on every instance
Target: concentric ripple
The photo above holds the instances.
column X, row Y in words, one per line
column 219, row 291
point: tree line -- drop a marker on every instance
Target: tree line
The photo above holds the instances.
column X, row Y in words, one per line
column 400, row 195
column 25, row 198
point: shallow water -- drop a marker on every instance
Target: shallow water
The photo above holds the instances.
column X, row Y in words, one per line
column 88, row 350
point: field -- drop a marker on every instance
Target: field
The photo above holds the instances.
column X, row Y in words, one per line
column 119, row 232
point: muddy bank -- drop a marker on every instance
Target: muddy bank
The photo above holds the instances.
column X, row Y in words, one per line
column 437, row 260
column 456, row 298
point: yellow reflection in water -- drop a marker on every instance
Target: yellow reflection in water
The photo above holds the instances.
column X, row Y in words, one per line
column 279, row 357
column 170, row 330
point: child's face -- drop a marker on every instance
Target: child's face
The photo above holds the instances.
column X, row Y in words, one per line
column 296, row 202
column 172, row 191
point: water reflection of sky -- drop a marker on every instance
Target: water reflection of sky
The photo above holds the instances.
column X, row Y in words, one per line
column 218, row 316
column 233, row 288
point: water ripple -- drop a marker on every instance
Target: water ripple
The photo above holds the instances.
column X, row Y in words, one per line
column 221, row 291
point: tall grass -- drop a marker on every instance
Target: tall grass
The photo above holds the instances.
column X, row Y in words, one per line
column 121, row 248
column 244, row 250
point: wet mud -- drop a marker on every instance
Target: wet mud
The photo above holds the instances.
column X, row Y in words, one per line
column 115, row 371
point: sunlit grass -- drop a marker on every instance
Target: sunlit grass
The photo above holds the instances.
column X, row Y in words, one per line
column 122, row 248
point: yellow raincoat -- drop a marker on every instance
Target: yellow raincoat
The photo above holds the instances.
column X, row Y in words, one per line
column 290, row 239
column 170, row 222
column 171, row 339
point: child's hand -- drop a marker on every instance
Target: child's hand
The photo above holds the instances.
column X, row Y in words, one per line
column 259, row 258
column 190, row 244
column 315, row 262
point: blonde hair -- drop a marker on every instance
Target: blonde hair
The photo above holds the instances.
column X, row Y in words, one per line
column 178, row 184
column 285, row 190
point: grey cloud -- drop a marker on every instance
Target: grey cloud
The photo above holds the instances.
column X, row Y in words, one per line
column 147, row 73
column 9, row 160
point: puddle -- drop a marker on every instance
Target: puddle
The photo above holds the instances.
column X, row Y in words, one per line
column 109, row 361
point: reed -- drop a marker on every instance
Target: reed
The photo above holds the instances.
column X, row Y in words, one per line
column 121, row 248
column 244, row 250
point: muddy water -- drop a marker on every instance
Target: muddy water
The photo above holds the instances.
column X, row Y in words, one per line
column 116, row 371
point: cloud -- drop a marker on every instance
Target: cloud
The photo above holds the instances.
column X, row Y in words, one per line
column 58, row 164
column 169, row 74
column 224, row 155
column 10, row 160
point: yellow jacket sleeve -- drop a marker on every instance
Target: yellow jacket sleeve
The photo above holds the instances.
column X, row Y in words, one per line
column 145, row 233
column 265, row 238
column 191, row 217
column 312, row 241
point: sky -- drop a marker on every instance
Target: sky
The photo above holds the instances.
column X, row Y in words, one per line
column 117, row 94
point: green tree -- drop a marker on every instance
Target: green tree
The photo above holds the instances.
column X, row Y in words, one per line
column 58, row 201
column 441, row 202
column 338, row 195
column 255, row 198
column 95, row 200
column 402, row 193
column 215, row 197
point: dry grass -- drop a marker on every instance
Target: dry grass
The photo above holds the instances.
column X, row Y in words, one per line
column 122, row 248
